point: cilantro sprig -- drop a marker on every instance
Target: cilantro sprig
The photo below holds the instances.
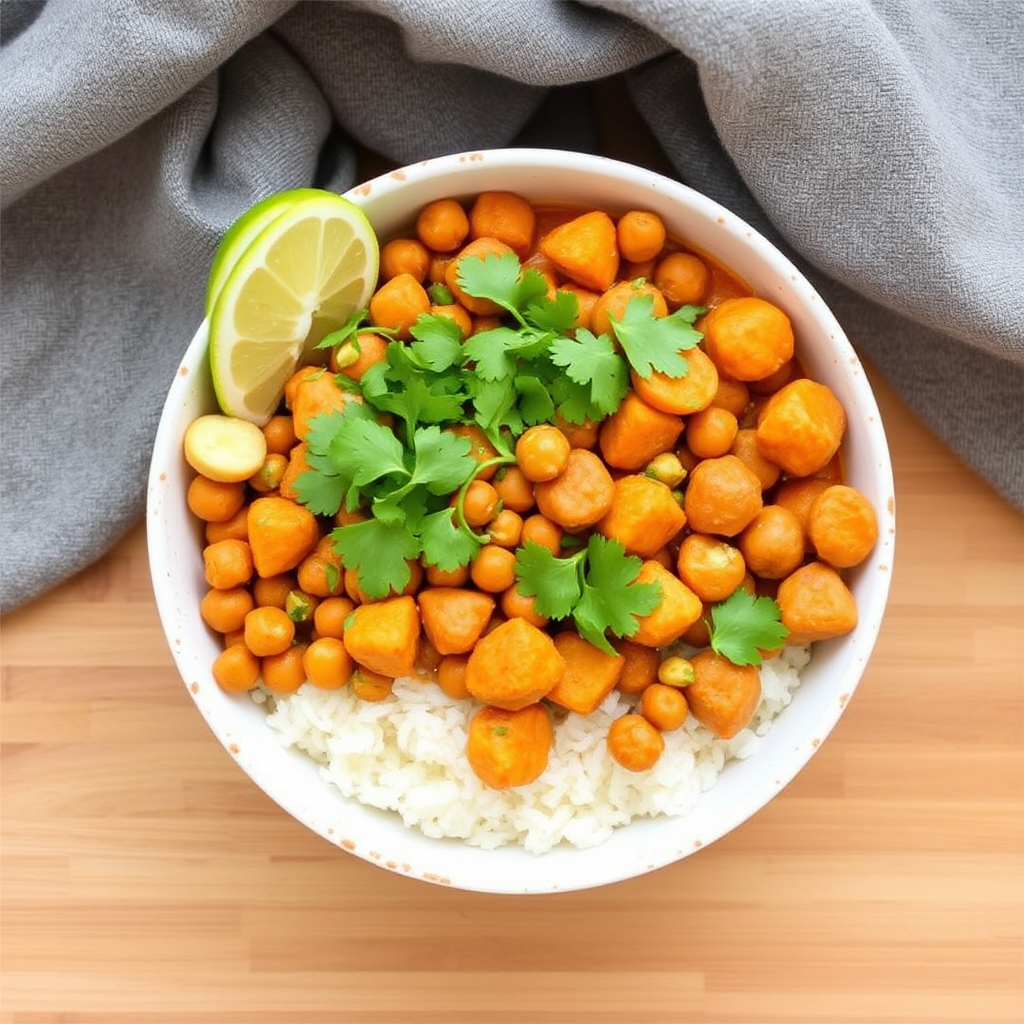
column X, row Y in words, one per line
column 596, row 586
column 531, row 368
column 357, row 462
column 743, row 625
column 656, row 343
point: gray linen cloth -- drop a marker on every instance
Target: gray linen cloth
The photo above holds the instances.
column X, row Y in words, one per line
column 880, row 144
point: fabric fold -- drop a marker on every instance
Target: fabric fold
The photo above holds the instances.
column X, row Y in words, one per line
column 879, row 144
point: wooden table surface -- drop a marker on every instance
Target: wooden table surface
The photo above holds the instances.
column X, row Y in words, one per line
column 145, row 879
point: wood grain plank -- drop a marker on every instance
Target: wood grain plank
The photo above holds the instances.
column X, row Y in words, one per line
column 145, row 880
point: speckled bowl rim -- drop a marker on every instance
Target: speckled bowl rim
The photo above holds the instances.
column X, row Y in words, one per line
column 744, row 787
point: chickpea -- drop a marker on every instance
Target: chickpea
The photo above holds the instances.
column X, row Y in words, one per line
column 664, row 707
column 283, row 673
column 667, row 468
column 479, row 503
column 514, row 490
column 370, row 686
column 675, row 671
column 442, row 225
column 404, row 256
column 506, row 528
column 682, row 278
column 493, row 569
column 634, row 743
column 711, row 432
column 542, row 452
column 236, row 669
column 773, row 543
column 538, row 529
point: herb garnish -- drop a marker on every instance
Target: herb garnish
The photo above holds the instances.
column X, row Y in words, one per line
column 596, row 586
column 528, row 370
column 744, row 625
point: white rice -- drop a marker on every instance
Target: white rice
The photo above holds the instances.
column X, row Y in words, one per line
column 407, row 754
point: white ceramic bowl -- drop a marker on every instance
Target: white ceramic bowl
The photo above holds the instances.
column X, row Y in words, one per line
column 744, row 786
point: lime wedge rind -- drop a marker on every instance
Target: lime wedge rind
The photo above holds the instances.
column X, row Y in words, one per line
column 243, row 232
column 276, row 306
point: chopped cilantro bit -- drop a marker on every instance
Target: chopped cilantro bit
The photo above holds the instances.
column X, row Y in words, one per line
column 744, row 625
column 345, row 331
column 440, row 294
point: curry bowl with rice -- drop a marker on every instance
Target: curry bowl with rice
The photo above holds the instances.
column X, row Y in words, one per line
column 555, row 658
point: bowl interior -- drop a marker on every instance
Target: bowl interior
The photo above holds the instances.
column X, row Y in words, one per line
column 743, row 787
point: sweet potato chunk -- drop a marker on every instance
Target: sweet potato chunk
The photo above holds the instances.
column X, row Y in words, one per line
column 509, row 748
column 514, row 665
column 316, row 393
column 585, row 249
column 680, row 607
column 383, row 636
column 801, row 427
column 639, row 666
column 590, row 674
column 580, row 495
column 636, row 432
column 644, row 516
column 281, row 534
column 723, row 696
column 815, row 604
column 454, row 618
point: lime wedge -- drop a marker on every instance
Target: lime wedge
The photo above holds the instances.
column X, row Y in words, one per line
column 238, row 237
column 301, row 277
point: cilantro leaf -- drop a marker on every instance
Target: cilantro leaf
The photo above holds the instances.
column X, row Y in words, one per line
column 610, row 598
column 345, row 331
column 593, row 361
column 521, row 291
column 654, row 343
column 378, row 551
column 397, row 385
column 572, row 401
column 363, row 450
column 689, row 313
column 534, row 402
column 744, row 625
column 492, row 402
column 440, row 294
column 438, row 342
column 322, row 493
column 443, row 462
column 494, row 277
column 531, row 290
column 326, row 485
column 490, row 351
column 556, row 315
column 554, row 582
column 444, row 544
column 596, row 586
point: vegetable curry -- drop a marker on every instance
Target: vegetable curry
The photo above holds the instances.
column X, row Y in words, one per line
column 559, row 454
